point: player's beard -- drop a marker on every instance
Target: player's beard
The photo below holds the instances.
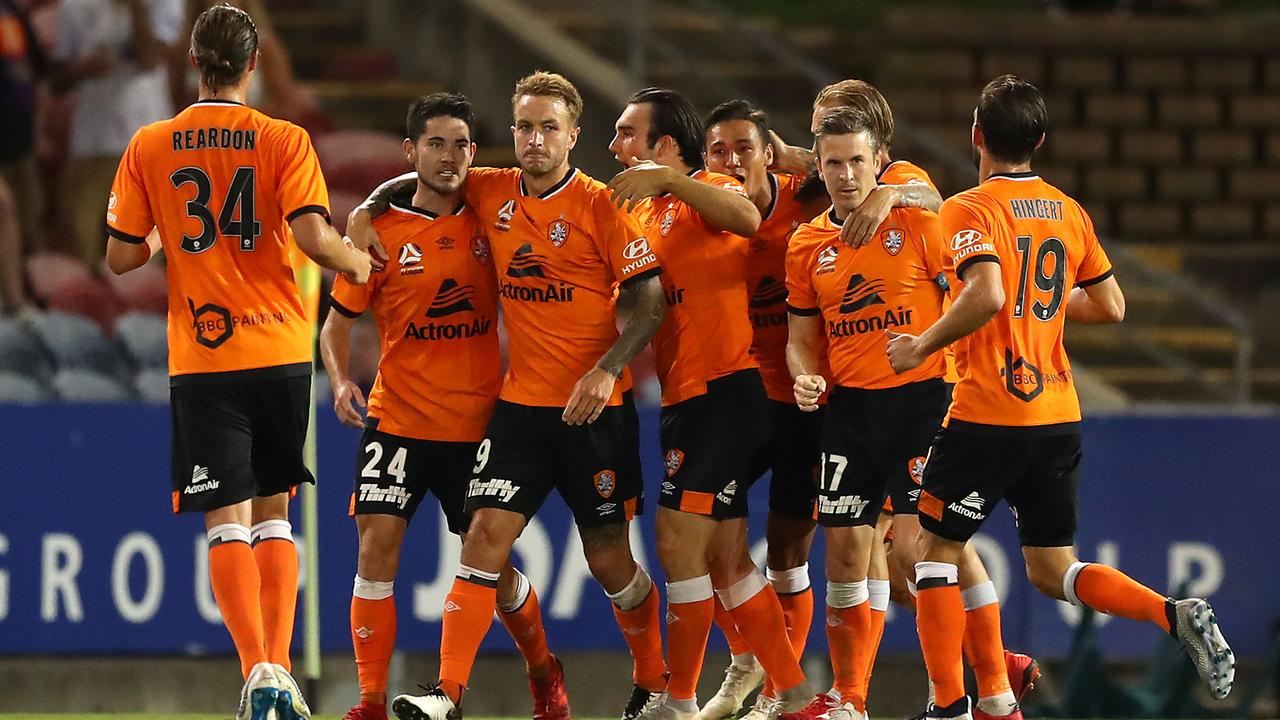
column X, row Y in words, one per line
column 442, row 188
column 544, row 165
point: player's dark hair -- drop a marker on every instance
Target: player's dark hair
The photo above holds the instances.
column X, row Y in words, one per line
column 1012, row 118
column 740, row 110
column 441, row 104
column 673, row 115
column 223, row 41
column 861, row 95
column 845, row 121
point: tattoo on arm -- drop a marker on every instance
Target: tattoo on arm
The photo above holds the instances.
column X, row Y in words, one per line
column 645, row 305
column 401, row 188
column 920, row 196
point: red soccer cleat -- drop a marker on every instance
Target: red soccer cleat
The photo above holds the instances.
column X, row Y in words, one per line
column 366, row 711
column 817, row 709
column 1023, row 672
column 979, row 715
column 550, row 701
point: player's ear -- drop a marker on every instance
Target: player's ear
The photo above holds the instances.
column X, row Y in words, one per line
column 976, row 136
column 191, row 58
column 1040, row 141
column 573, row 136
column 768, row 154
column 253, row 60
column 410, row 151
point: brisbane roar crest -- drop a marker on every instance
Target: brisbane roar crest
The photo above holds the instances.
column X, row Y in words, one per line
column 915, row 466
column 674, row 459
column 892, row 239
column 480, row 249
column 558, row 233
column 606, row 482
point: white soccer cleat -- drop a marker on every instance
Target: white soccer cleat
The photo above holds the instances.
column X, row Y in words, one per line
column 435, row 705
column 1203, row 641
column 739, row 682
column 765, row 708
column 664, row 710
column 289, row 702
column 258, row 697
column 846, row 712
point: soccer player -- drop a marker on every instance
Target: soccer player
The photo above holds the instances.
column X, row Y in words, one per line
column 698, row 223
column 565, row 419
column 436, row 308
column 1028, row 260
column 229, row 189
column 737, row 144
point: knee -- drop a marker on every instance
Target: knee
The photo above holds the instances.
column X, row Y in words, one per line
column 608, row 553
column 1046, row 578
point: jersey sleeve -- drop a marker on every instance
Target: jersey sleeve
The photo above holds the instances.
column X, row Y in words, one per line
column 622, row 243
column 350, row 299
column 129, row 215
column 926, row 230
column 802, row 298
column 301, row 188
column 906, row 173
column 1095, row 266
column 967, row 229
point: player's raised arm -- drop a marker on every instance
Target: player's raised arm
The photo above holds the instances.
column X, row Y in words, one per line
column 320, row 242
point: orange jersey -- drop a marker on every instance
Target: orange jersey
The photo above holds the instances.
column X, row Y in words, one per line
column 707, row 331
column 221, row 182
column 436, row 306
column 1014, row 370
column 559, row 257
column 891, row 283
column 766, row 281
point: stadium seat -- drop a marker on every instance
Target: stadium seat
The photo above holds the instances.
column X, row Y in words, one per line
column 21, row 352
column 46, row 272
column 152, row 385
column 145, row 289
column 145, row 336
column 348, row 148
column 76, row 385
column 89, row 297
column 20, row 389
column 77, row 342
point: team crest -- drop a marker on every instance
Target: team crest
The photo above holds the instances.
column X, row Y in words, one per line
column 915, row 466
column 892, row 240
column 668, row 219
column 558, row 233
column 505, row 213
column 410, row 259
column 606, row 483
column 480, row 249
column 827, row 260
column 675, row 458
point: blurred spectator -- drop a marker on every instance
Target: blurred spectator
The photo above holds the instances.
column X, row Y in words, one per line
column 13, row 297
column 273, row 89
column 114, row 54
column 22, row 66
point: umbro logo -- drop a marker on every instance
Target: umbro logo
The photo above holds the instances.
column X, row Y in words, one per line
column 452, row 606
column 451, row 298
column 364, row 633
column 768, row 293
column 526, row 263
column 861, row 293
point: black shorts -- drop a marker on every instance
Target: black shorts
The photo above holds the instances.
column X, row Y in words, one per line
column 790, row 452
column 873, row 442
column 529, row 451
column 394, row 473
column 706, row 443
column 972, row 467
column 236, row 439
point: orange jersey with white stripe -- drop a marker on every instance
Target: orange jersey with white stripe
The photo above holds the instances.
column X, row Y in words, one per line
column 767, row 284
column 707, row 331
column 221, row 182
column 436, row 307
column 558, row 256
column 1014, row 369
column 888, row 284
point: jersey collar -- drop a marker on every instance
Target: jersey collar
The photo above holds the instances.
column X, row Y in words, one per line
column 831, row 215
column 885, row 169
column 564, row 182
column 773, row 202
column 422, row 212
column 1019, row 176
column 216, row 101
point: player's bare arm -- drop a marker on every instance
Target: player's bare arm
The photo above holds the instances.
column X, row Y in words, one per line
column 644, row 305
column 320, row 242
column 861, row 224
column 978, row 301
column 791, row 159
column 360, row 220
column 804, row 333
column 722, row 209
column 1097, row 303
column 335, row 352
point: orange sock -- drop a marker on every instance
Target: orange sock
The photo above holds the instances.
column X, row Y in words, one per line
column 524, row 624
column 983, row 643
column 850, row 638
column 1110, row 591
column 277, row 559
column 641, row 627
column 233, row 573
column 724, row 621
column 758, row 615
column 940, row 622
column 373, row 634
column 795, row 595
column 468, row 613
column 690, row 611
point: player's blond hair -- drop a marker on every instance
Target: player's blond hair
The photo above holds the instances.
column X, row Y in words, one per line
column 542, row 83
column 864, row 97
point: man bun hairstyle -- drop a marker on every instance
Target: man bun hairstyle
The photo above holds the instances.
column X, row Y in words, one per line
column 223, row 40
column 1012, row 118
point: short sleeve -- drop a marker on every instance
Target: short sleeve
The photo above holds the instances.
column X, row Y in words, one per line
column 349, row 299
column 622, row 242
column 926, row 228
column 1095, row 266
column 166, row 20
column 967, row 231
column 301, row 188
column 802, row 297
column 128, row 209
column 906, row 173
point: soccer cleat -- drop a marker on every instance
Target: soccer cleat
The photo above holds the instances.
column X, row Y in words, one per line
column 978, row 714
column 766, row 708
column 819, row 708
column 958, row 710
column 1202, row 639
column 739, row 682
column 258, row 697
column 289, row 702
column 640, row 700
column 434, row 705
column 664, row 710
column 846, row 712
column 366, row 711
column 550, row 701
column 1023, row 671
